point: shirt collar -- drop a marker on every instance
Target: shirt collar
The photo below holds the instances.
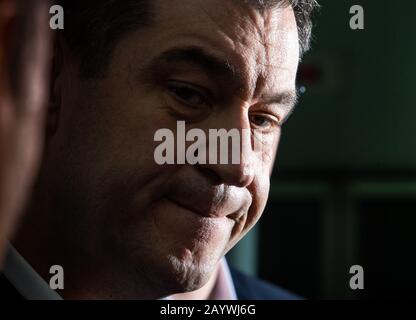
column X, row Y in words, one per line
column 33, row 287
column 224, row 287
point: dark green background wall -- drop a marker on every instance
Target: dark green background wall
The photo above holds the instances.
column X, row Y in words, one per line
column 344, row 188
column 361, row 114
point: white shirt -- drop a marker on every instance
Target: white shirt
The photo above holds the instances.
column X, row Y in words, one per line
column 33, row 287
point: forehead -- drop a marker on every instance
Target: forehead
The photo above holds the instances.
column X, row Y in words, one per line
column 259, row 43
column 262, row 47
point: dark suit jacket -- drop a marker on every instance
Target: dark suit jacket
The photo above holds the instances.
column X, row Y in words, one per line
column 251, row 288
column 247, row 288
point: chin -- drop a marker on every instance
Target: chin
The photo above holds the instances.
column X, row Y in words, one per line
column 191, row 272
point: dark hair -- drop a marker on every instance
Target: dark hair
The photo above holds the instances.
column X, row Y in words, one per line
column 94, row 27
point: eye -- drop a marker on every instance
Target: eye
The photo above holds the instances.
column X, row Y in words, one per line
column 188, row 95
column 263, row 121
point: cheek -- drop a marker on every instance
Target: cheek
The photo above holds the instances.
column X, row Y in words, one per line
column 112, row 139
column 265, row 148
column 261, row 187
column 129, row 121
column 259, row 190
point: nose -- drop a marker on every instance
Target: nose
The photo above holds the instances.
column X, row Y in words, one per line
column 234, row 163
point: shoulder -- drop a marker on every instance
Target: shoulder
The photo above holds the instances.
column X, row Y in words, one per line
column 251, row 288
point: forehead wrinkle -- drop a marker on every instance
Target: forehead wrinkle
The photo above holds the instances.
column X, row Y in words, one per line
column 277, row 30
column 240, row 40
column 246, row 38
column 263, row 62
column 260, row 33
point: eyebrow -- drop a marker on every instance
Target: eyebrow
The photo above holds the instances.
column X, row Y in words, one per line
column 288, row 99
column 199, row 57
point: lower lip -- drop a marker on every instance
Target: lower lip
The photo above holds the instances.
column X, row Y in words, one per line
column 196, row 215
column 208, row 215
column 178, row 219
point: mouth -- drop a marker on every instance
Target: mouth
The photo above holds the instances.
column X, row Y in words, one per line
column 199, row 212
column 184, row 223
column 207, row 210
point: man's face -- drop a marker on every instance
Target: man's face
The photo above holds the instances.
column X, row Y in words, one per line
column 212, row 63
